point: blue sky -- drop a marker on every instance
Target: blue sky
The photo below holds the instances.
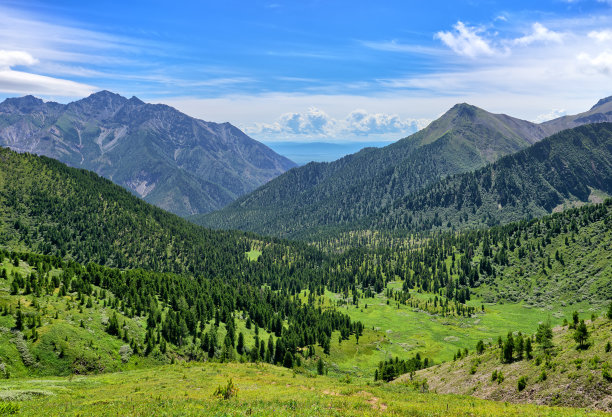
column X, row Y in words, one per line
column 328, row 71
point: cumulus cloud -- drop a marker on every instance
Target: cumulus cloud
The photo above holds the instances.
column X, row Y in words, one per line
column 601, row 35
column 601, row 63
column 540, row 33
column 316, row 123
column 553, row 114
column 466, row 40
column 13, row 58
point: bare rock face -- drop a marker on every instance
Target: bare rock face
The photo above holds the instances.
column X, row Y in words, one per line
column 181, row 164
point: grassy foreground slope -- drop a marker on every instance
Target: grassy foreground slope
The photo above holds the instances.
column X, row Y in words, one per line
column 566, row 375
column 263, row 390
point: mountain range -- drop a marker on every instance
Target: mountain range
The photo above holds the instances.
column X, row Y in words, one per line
column 357, row 188
column 181, row 164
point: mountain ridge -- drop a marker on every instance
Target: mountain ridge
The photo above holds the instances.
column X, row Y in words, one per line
column 182, row 164
column 360, row 185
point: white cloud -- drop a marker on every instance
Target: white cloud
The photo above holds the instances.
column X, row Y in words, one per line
column 601, row 63
column 315, row 123
column 540, row 33
column 20, row 82
column 12, row 58
column 553, row 114
column 466, row 41
column 601, row 35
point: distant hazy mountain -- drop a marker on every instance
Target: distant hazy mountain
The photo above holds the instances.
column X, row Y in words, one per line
column 174, row 161
column 360, row 185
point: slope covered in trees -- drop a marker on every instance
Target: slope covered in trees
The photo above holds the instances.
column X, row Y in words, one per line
column 563, row 168
column 190, row 277
column 361, row 184
column 367, row 184
column 178, row 290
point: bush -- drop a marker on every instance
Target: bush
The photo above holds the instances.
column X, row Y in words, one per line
column 226, row 392
column 605, row 373
column 522, row 383
column 542, row 376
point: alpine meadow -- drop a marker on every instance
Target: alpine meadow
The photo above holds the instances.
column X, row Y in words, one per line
column 156, row 263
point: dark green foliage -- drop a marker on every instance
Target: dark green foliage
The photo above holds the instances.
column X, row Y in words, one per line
column 480, row 347
column 392, row 368
column 320, row 199
column 522, row 383
column 288, row 360
column 528, row 348
column 581, row 334
column 321, row 367
column 544, row 336
column 508, row 349
column 240, row 344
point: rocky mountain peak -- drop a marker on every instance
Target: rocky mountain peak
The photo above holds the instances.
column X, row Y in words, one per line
column 601, row 102
column 26, row 104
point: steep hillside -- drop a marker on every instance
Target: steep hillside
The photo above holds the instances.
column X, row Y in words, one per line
column 176, row 162
column 564, row 168
column 194, row 281
column 557, row 373
column 367, row 183
column 364, row 183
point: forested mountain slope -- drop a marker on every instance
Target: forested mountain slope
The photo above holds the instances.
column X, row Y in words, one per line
column 563, row 168
column 195, row 288
column 176, row 162
column 196, row 285
column 368, row 182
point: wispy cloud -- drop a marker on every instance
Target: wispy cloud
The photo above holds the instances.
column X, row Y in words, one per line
column 466, row 40
column 540, row 33
column 19, row 82
column 396, row 46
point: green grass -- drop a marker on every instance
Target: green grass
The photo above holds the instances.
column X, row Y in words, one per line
column 253, row 254
column 263, row 390
column 574, row 377
column 392, row 331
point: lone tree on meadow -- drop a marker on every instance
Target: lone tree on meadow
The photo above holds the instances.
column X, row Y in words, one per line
column 581, row 335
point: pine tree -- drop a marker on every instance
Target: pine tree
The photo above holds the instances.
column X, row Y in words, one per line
column 240, row 344
column 581, row 334
column 508, row 349
column 321, row 368
column 19, row 320
column 288, row 360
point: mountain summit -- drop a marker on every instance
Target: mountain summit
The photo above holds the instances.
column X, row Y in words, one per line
column 358, row 187
column 184, row 165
